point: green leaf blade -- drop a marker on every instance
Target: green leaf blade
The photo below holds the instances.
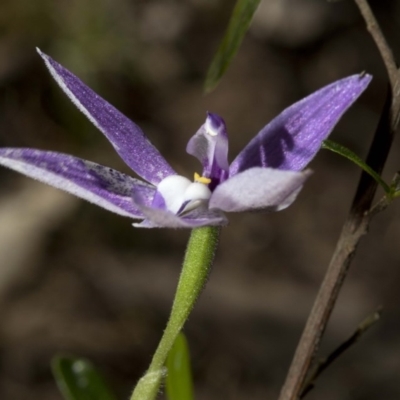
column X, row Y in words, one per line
column 239, row 23
column 347, row 153
column 77, row 379
column 178, row 382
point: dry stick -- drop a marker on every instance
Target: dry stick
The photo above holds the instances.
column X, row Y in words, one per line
column 376, row 33
column 355, row 226
column 349, row 342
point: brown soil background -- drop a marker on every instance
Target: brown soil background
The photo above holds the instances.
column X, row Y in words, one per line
column 78, row 280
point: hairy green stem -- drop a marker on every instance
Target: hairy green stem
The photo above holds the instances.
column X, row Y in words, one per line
column 196, row 266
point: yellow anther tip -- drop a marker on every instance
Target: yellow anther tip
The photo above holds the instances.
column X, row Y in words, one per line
column 201, row 179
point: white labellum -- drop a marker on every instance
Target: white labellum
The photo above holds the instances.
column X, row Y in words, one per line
column 176, row 190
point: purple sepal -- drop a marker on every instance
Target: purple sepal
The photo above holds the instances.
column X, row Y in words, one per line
column 127, row 138
column 95, row 183
column 261, row 189
column 210, row 146
column 291, row 140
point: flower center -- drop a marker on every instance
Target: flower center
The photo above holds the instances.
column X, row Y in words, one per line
column 178, row 194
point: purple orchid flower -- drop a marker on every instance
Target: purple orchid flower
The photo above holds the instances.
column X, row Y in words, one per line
column 267, row 174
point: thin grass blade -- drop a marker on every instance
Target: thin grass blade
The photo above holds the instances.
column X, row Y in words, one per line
column 347, row 153
column 239, row 23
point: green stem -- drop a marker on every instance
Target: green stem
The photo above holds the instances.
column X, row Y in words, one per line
column 196, row 266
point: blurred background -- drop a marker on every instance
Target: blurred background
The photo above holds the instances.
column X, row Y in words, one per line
column 75, row 279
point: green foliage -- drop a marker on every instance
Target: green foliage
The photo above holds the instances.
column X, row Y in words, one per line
column 345, row 152
column 239, row 23
column 179, row 377
column 78, row 380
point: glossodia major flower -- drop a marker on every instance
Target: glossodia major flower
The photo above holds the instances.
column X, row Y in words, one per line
column 266, row 175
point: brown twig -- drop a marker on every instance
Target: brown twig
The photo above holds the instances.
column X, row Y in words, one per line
column 377, row 35
column 356, row 225
column 349, row 342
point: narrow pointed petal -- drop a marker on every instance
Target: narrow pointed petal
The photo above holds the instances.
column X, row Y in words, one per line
column 95, row 183
column 210, row 146
column 127, row 138
column 291, row 140
column 158, row 218
column 258, row 189
column 165, row 219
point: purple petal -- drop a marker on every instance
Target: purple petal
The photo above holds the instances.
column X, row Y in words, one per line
column 210, row 146
column 258, row 189
column 291, row 140
column 127, row 138
column 99, row 185
column 158, row 218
